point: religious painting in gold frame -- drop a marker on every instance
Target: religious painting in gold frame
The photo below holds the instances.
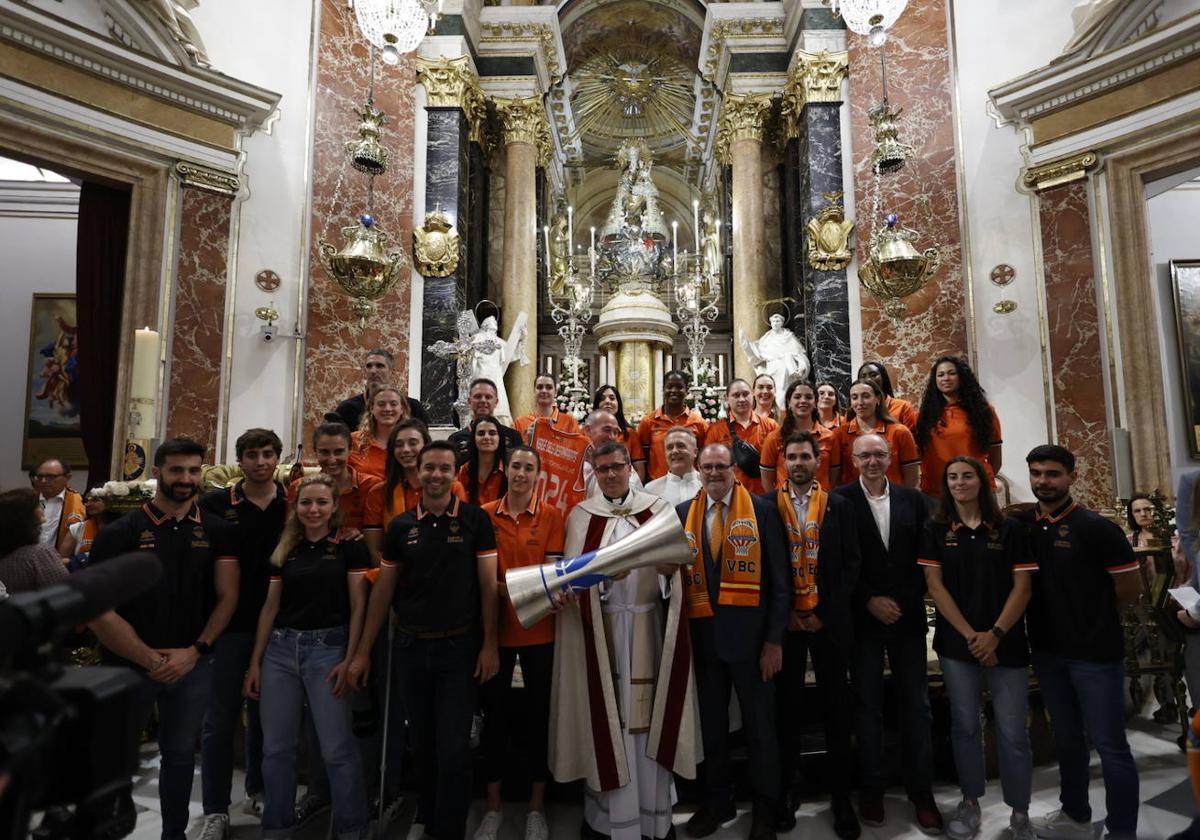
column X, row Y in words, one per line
column 1185, row 286
column 51, row 426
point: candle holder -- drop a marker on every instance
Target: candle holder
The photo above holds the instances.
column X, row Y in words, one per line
column 695, row 308
column 571, row 309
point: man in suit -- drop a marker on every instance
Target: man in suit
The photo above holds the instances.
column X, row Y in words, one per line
column 890, row 617
column 818, row 526
column 737, row 599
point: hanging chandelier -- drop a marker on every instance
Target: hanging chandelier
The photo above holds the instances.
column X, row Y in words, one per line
column 870, row 17
column 395, row 27
column 894, row 268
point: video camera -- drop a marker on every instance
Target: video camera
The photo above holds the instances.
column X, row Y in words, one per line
column 69, row 736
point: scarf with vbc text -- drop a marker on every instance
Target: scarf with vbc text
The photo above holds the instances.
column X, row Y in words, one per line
column 804, row 543
column 739, row 555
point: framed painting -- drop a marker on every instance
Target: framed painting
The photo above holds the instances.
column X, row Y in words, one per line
column 1185, row 285
column 52, row 425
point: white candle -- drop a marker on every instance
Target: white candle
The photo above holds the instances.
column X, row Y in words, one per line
column 143, row 384
column 603, row 370
column 720, row 369
column 593, row 237
column 675, row 246
column 696, row 222
column 592, row 258
column 570, row 230
column 546, row 237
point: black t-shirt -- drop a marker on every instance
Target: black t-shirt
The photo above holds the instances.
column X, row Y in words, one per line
column 1073, row 612
column 462, row 441
column 257, row 532
column 437, row 564
column 977, row 568
column 171, row 614
column 316, row 594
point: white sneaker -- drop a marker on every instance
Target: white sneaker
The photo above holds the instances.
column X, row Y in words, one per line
column 535, row 826
column 964, row 822
column 1057, row 824
column 489, row 827
column 253, row 805
column 1019, row 828
column 215, row 827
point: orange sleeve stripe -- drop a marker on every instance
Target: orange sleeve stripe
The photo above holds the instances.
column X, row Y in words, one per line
column 356, row 571
column 1127, row 567
column 228, row 559
column 366, row 527
column 276, row 579
column 1025, row 567
column 391, row 564
column 484, row 555
column 925, row 561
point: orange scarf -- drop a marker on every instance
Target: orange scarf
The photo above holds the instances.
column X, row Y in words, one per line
column 739, row 555
column 804, row 544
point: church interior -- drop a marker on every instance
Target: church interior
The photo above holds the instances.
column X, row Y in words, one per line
column 218, row 207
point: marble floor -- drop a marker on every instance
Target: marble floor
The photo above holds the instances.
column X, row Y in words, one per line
column 1165, row 793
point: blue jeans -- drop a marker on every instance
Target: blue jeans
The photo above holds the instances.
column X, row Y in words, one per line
column 232, row 658
column 1090, row 696
column 906, row 655
column 440, row 698
column 294, row 669
column 1010, row 702
column 180, row 712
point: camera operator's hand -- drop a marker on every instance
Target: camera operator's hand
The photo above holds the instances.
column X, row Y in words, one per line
column 359, row 670
column 180, row 662
column 250, row 686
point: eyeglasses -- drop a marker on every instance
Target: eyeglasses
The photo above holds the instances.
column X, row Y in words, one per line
column 713, row 468
column 48, row 476
column 870, row 456
column 611, row 469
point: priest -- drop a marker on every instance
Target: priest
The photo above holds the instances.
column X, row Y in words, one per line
column 624, row 714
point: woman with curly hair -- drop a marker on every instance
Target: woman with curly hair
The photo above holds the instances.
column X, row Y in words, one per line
column 481, row 479
column 608, row 398
column 955, row 419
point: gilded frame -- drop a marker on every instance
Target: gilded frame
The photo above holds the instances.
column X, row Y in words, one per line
column 1185, row 291
column 49, row 370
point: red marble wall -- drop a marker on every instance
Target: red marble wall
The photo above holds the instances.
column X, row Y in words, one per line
column 333, row 356
column 1073, row 323
column 196, row 341
column 924, row 193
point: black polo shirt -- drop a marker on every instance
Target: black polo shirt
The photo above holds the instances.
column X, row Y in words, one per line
column 437, row 565
column 977, row 568
column 316, row 591
column 350, row 411
column 257, row 532
column 462, row 441
column 1073, row 612
column 173, row 613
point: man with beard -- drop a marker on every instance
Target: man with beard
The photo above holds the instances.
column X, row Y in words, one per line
column 1078, row 646
column 168, row 632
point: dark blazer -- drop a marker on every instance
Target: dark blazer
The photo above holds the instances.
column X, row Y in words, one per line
column 737, row 633
column 892, row 569
column 838, row 563
column 350, row 411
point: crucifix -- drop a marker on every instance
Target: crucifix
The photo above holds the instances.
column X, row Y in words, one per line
column 463, row 350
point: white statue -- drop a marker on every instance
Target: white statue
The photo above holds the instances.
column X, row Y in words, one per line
column 711, row 250
column 174, row 15
column 492, row 356
column 779, row 354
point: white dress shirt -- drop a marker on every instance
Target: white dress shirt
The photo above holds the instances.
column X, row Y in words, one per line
column 52, row 508
column 881, row 509
column 674, row 488
column 800, row 503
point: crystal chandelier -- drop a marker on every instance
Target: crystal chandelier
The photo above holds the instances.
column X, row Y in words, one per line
column 395, row 27
column 870, row 17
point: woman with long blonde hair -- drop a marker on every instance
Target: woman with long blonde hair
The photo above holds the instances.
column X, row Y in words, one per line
column 386, row 406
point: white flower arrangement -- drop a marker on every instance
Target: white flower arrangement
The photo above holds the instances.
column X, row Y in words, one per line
column 572, row 393
column 125, row 495
column 709, row 402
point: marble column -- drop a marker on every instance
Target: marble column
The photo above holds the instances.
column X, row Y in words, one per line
column 814, row 95
column 453, row 97
column 197, row 340
column 526, row 138
column 740, row 137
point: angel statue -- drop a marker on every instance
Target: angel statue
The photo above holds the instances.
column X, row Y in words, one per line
column 560, row 253
column 492, row 356
column 174, row 15
column 779, row 354
column 710, row 245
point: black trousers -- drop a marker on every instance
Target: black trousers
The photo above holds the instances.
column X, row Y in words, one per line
column 830, row 665
column 504, row 743
column 714, row 681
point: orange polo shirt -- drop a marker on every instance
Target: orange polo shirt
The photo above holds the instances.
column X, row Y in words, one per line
column 559, row 419
column 529, row 538
column 353, row 500
column 755, row 433
column 899, row 438
column 902, row 410
column 653, row 429
column 489, row 488
column 950, row 437
column 404, row 497
column 370, row 459
column 831, row 456
column 633, row 443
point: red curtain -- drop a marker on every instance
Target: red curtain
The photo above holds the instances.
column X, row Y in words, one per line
column 103, row 237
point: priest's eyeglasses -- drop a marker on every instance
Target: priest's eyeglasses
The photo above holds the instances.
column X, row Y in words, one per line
column 611, row 469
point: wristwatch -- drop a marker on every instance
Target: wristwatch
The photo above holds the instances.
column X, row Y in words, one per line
column 204, row 648
column 997, row 632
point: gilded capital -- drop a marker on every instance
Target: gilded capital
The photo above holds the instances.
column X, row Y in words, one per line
column 450, row 83
column 743, row 117
column 820, row 75
column 524, row 121
column 1061, row 171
